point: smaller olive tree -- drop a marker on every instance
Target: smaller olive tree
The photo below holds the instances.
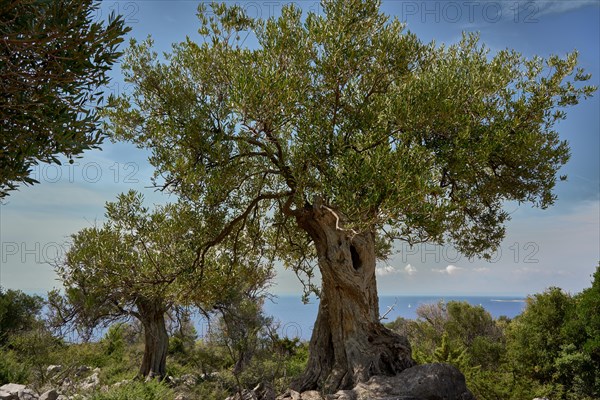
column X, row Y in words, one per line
column 129, row 267
column 145, row 264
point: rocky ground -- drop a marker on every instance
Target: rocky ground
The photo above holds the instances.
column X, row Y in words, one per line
column 422, row 382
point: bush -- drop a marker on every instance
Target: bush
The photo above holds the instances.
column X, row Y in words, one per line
column 151, row 390
column 18, row 313
column 536, row 336
column 35, row 350
column 113, row 342
column 11, row 369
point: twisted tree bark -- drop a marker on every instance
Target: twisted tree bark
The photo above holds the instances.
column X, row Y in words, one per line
column 348, row 344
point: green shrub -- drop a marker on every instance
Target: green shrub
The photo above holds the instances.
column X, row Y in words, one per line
column 151, row 390
column 77, row 354
column 35, row 350
column 18, row 313
column 113, row 341
column 11, row 369
column 210, row 390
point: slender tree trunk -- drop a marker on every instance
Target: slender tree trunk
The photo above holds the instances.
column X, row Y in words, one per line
column 156, row 339
column 348, row 344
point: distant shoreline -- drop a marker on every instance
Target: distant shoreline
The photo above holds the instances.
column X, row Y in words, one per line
column 509, row 301
column 297, row 319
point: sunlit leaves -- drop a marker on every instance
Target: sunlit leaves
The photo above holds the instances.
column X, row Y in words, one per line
column 54, row 61
column 416, row 141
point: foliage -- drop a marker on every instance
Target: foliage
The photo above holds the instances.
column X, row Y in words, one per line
column 54, row 60
column 410, row 140
column 160, row 248
column 151, row 390
column 129, row 267
column 92, row 354
column 239, row 332
column 469, row 338
column 267, row 358
column 12, row 370
column 585, row 328
column 345, row 114
column 274, row 366
column 96, row 271
column 469, row 322
column 251, row 351
column 555, row 342
column 19, row 313
column 547, row 351
column 182, row 336
column 537, row 337
column 462, row 325
column 492, row 363
column 36, row 349
column 25, row 343
column 113, row 341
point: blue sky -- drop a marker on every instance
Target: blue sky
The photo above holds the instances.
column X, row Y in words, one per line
column 555, row 247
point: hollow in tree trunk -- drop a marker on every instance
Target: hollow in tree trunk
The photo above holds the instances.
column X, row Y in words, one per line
column 348, row 344
column 156, row 339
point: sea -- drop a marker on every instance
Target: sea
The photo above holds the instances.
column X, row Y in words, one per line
column 294, row 319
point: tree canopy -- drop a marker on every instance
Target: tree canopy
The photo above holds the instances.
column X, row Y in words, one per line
column 135, row 255
column 423, row 142
column 54, row 60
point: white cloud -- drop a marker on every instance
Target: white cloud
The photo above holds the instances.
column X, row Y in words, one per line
column 482, row 269
column 450, row 270
column 555, row 7
column 529, row 10
column 386, row 270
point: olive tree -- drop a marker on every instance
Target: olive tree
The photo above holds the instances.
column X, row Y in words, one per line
column 126, row 268
column 54, row 60
column 338, row 134
column 139, row 264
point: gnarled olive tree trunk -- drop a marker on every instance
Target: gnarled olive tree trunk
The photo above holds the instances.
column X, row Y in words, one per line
column 156, row 339
column 348, row 344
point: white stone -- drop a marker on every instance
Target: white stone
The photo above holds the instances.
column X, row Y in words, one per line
column 90, row 382
column 12, row 388
column 51, row 394
column 311, row 395
column 7, row 395
column 27, row 394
